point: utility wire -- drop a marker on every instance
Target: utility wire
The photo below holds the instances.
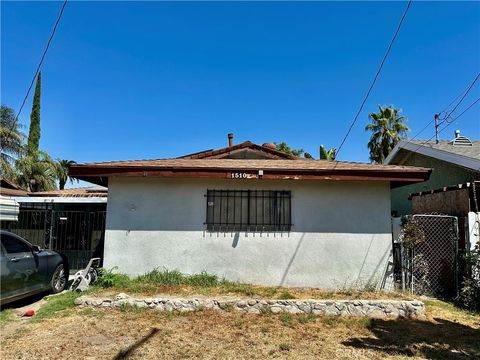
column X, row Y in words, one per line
column 448, row 124
column 39, row 64
column 462, row 95
column 375, row 77
column 451, row 103
column 462, row 98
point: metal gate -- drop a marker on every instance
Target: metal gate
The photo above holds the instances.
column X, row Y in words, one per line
column 77, row 234
column 434, row 264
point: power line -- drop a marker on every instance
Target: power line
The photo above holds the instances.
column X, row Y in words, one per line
column 463, row 94
column 40, row 63
column 461, row 100
column 463, row 112
column 375, row 77
column 451, row 103
column 448, row 124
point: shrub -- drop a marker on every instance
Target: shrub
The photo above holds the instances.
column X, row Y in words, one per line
column 469, row 295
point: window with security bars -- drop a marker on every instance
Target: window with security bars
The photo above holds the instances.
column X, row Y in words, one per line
column 248, row 210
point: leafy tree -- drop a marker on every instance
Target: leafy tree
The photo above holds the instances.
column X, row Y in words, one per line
column 387, row 129
column 327, row 154
column 62, row 172
column 11, row 142
column 36, row 172
column 283, row 147
column 34, row 131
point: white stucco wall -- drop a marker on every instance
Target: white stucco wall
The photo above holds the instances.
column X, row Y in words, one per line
column 341, row 235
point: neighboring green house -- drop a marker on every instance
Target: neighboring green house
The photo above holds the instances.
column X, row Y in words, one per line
column 452, row 162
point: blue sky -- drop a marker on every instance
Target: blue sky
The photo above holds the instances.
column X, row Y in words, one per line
column 131, row 80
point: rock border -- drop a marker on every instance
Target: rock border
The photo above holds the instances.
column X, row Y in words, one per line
column 378, row 309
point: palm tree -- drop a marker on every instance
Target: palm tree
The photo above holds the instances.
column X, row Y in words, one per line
column 327, row 154
column 11, row 141
column 36, row 172
column 387, row 129
column 62, row 172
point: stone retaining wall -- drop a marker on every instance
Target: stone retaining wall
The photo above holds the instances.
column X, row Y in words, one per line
column 358, row 308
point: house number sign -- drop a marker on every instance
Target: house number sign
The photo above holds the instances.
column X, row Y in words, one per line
column 238, row 175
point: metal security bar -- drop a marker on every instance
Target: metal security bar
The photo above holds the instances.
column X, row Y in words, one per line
column 77, row 234
column 31, row 225
column 248, row 210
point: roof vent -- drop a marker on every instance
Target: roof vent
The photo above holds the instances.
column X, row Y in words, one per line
column 460, row 140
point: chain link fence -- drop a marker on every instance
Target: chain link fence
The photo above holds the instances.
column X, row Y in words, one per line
column 431, row 266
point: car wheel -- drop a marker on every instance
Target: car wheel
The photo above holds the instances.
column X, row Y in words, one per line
column 59, row 280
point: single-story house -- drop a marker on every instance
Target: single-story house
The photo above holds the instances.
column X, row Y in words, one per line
column 252, row 214
column 453, row 162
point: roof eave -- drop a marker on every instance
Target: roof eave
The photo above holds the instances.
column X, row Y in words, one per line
column 100, row 175
column 456, row 159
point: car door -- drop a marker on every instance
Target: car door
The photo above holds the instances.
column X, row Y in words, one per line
column 19, row 267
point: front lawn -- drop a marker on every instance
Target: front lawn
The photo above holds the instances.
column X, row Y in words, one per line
column 129, row 332
column 59, row 330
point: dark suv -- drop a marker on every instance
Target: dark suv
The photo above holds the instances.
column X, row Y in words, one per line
column 26, row 269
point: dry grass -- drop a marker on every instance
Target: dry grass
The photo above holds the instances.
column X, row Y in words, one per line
column 168, row 282
column 132, row 333
column 251, row 291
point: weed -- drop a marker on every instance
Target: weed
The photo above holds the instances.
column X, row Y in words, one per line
column 202, row 280
column 238, row 323
column 266, row 310
column 284, row 347
column 286, row 295
column 287, row 320
column 269, row 292
column 349, row 322
column 135, row 309
column 234, row 287
column 6, row 315
column 91, row 312
column 110, row 278
column 228, row 307
column 57, row 305
column 305, row 318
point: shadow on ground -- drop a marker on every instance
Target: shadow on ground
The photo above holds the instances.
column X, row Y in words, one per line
column 126, row 353
column 441, row 339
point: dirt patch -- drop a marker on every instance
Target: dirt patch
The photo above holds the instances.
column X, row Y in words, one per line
column 144, row 334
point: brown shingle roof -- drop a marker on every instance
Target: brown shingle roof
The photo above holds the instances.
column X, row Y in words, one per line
column 274, row 154
column 84, row 192
column 248, row 164
column 9, row 188
column 13, row 192
column 300, row 169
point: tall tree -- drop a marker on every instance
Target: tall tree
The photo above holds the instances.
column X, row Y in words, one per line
column 388, row 128
column 36, row 172
column 34, row 131
column 11, row 142
column 327, row 154
column 283, row 147
column 62, row 172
